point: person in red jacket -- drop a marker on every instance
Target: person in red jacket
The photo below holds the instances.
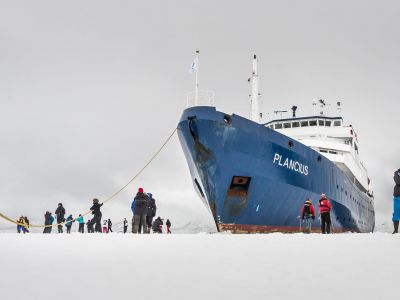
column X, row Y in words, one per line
column 308, row 214
column 325, row 214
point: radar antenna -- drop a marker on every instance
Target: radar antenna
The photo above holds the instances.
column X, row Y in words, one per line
column 280, row 112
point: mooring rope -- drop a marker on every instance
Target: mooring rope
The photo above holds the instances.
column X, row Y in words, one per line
column 5, row 217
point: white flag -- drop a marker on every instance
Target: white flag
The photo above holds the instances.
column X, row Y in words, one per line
column 194, row 65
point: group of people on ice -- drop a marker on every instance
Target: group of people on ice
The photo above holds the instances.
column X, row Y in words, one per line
column 308, row 214
column 143, row 208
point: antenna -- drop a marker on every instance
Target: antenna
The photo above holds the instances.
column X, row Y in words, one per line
column 322, row 104
column 280, row 112
column 254, row 97
column 339, row 108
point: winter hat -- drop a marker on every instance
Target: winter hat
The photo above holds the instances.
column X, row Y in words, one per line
column 323, row 195
column 140, row 190
column 150, row 195
column 95, row 200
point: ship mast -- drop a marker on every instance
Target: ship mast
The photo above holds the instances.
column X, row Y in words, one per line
column 255, row 113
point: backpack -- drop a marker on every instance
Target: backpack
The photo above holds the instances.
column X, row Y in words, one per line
column 306, row 210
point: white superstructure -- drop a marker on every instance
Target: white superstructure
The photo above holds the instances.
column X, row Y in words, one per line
column 330, row 137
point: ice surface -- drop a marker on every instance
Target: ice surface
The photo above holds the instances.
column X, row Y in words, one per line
column 199, row 266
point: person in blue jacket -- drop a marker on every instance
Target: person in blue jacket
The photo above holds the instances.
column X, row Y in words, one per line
column 81, row 223
column 68, row 224
column 396, row 202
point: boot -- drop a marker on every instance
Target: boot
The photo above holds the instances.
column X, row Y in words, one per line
column 396, row 227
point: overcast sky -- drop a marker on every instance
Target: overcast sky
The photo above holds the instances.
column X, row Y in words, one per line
column 90, row 89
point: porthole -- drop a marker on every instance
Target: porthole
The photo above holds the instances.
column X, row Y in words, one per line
column 290, row 144
column 319, row 158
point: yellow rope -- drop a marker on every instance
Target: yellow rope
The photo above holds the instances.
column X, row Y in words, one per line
column 106, row 200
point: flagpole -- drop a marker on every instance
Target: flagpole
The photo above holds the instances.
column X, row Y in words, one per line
column 196, row 90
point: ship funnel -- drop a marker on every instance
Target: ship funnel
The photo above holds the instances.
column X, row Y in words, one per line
column 255, row 95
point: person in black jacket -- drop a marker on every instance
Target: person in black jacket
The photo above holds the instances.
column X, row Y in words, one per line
column 139, row 208
column 151, row 211
column 109, row 223
column 60, row 213
column 168, row 224
column 96, row 220
column 157, row 225
column 125, row 225
column 47, row 222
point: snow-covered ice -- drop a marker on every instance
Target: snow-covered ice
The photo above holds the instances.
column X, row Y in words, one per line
column 199, row 266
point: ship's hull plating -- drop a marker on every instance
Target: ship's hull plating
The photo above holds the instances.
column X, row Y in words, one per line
column 278, row 173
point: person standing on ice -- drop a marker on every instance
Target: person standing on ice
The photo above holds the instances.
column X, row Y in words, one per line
column 157, row 225
column 151, row 211
column 105, row 226
column 139, row 209
column 396, row 202
column 96, row 220
column 109, row 224
column 60, row 213
column 47, row 222
column 125, row 225
column 325, row 214
column 308, row 214
column 89, row 227
column 26, row 225
column 168, row 224
column 70, row 219
column 21, row 224
column 81, row 223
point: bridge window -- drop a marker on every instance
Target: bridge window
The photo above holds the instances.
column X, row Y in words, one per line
column 321, row 122
column 332, row 152
column 337, row 123
column 328, row 123
column 278, row 126
column 304, row 123
column 313, row 123
column 287, row 125
column 295, row 124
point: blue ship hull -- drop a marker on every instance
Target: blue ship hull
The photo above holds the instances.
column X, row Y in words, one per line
column 254, row 179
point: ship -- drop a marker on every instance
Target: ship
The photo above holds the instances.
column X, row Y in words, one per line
column 254, row 176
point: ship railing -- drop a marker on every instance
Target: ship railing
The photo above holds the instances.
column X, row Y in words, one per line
column 200, row 98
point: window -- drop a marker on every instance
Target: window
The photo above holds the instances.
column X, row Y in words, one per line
column 332, row 152
column 239, row 186
column 295, row 124
column 313, row 123
column 278, row 126
column 271, row 126
column 355, row 147
column 321, row 122
column 337, row 123
column 287, row 125
column 304, row 123
column 323, row 151
column 328, row 123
